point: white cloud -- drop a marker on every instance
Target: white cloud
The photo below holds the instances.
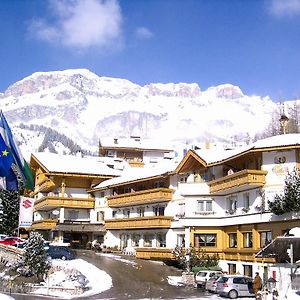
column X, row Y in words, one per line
column 282, row 8
column 143, row 33
column 81, row 23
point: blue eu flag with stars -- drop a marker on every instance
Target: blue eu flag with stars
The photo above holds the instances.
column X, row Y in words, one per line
column 6, row 171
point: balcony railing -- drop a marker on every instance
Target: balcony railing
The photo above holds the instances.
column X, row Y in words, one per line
column 46, row 224
column 136, row 164
column 141, row 197
column 155, row 253
column 139, row 223
column 44, row 186
column 237, row 182
column 52, row 202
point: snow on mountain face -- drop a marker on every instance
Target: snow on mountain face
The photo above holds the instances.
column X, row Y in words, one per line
column 77, row 108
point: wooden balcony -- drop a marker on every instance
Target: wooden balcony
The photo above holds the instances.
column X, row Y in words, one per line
column 237, row 182
column 52, row 202
column 139, row 223
column 141, row 197
column 44, row 186
column 155, row 253
column 46, row 224
column 136, row 164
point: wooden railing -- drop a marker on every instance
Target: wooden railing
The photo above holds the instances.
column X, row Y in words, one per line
column 238, row 181
column 141, row 197
column 155, row 253
column 56, row 201
column 46, row 224
column 141, row 223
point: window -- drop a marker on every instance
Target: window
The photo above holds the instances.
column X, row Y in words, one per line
column 204, row 205
column 247, row 239
column 159, row 184
column 161, row 240
column 246, row 200
column 141, row 211
column 265, row 238
column 232, row 240
column 148, row 240
column 126, row 213
column 135, row 240
column 100, row 216
column 205, row 240
column 181, row 210
column 114, row 213
column 232, row 203
column 248, row 270
column 232, row 268
column 73, row 214
column 159, row 211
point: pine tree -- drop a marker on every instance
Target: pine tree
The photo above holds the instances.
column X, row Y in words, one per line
column 10, row 203
column 34, row 256
column 289, row 201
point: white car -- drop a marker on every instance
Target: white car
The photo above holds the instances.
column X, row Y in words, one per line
column 203, row 276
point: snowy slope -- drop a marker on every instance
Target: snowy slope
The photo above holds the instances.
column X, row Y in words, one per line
column 85, row 107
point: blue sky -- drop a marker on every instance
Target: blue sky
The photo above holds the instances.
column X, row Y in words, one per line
column 254, row 44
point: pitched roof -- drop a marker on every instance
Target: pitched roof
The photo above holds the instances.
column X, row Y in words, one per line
column 137, row 174
column 55, row 163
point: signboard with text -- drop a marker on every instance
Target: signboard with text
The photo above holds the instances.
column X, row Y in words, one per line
column 26, row 212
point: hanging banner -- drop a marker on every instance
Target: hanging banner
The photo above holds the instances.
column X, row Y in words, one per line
column 26, row 212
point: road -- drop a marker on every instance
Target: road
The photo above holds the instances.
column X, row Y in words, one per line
column 134, row 279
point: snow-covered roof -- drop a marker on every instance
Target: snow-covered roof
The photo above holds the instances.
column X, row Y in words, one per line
column 284, row 140
column 134, row 174
column 136, row 143
column 278, row 141
column 75, row 165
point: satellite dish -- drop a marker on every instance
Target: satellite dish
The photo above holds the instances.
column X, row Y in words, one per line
column 55, row 212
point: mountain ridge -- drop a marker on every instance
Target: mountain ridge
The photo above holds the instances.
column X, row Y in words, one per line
column 85, row 107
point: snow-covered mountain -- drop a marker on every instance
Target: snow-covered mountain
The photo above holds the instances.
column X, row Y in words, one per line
column 70, row 109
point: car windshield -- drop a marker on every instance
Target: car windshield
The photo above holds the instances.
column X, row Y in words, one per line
column 202, row 274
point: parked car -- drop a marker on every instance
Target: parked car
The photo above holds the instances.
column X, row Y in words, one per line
column 203, row 276
column 211, row 283
column 2, row 236
column 234, row 286
column 60, row 252
column 11, row 240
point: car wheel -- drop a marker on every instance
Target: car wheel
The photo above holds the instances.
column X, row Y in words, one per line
column 233, row 294
column 63, row 257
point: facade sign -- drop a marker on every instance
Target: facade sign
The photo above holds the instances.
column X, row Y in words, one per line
column 26, row 212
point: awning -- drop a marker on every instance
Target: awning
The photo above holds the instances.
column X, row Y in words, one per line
column 278, row 249
column 79, row 228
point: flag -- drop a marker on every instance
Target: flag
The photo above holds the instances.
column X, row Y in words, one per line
column 6, row 161
column 17, row 156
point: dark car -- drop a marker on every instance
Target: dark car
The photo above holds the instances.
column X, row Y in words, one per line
column 60, row 252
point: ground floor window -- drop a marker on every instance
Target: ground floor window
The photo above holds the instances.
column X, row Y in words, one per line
column 205, row 240
column 135, row 240
column 148, row 240
column 180, row 240
column 161, row 240
column 232, row 268
column 248, row 270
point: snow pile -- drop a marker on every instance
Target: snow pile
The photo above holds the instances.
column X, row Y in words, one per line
column 69, row 275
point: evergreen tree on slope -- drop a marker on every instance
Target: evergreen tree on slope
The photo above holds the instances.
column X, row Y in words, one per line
column 34, row 256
